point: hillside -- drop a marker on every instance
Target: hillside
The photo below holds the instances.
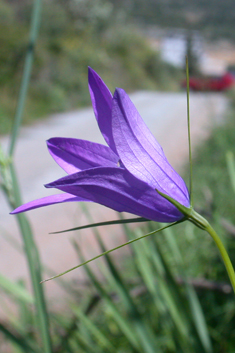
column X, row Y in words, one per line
column 73, row 35
column 215, row 18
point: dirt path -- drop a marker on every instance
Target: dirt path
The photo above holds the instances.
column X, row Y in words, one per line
column 164, row 113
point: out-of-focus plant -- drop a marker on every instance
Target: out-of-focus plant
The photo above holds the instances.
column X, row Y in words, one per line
column 73, row 35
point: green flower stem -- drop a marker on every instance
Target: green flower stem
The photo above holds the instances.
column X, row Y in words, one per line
column 201, row 222
column 224, row 254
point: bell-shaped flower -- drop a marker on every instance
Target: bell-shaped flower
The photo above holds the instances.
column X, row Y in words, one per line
column 124, row 175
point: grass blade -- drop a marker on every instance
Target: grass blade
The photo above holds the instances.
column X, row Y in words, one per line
column 34, row 267
column 107, row 252
column 15, row 290
column 19, row 341
column 36, row 14
column 102, row 340
column 108, row 223
column 124, row 324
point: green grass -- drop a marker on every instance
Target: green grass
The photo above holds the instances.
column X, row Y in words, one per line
column 138, row 305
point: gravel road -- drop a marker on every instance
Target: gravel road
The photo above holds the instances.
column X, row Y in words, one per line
column 165, row 115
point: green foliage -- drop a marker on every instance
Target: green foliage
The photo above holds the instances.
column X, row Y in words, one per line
column 214, row 18
column 74, row 35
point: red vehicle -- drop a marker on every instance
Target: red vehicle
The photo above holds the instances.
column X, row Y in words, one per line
column 210, row 83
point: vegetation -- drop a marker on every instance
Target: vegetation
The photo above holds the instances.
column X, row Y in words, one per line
column 214, row 18
column 169, row 294
column 73, row 35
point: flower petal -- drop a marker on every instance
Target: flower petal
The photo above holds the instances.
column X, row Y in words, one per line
column 74, row 155
column 118, row 189
column 140, row 152
column 48, row 200
column 101, row 99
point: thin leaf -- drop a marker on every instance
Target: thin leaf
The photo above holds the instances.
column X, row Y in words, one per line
column 189, row 138
column 109, row 251
column 108, row 223
column 124, row 324
column 34, row 29
column 102, row 340
column 16, row 290
column 19, row 340
column 199, row 319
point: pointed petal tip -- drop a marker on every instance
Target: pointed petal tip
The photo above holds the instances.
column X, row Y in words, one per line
column 92, row 74
column 118, row 92
column 120, row 95
column 52, row 140
column 48, row 200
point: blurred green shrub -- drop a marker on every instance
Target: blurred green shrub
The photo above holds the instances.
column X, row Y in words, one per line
column 74, row 34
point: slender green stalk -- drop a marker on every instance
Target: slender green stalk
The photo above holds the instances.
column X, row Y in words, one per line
column 224, row 255
column 108, row 223
column 191, row 215
column 14, row 197
column 189, row 138
column 34, row 28
column 33, row 259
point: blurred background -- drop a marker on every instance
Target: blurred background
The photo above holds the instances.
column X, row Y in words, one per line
column 169, row 293
column 132, row 44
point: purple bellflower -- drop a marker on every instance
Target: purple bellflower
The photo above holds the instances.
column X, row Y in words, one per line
column 124, row 175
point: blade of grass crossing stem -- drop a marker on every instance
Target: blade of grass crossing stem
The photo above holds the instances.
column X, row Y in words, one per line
column 101, row 339
column 199, row 319
column 196, row 309
column 184, row 303
column 124, row 325
column 145, row 333
column 169, row 296
column 34, row 28
column 145, row 269
column 33, row 260
column 148, row 341
column 117, row 281
column 166, row 299
column 172, row 297
column 143, row 252
column 115, row 275
column 159, row 312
